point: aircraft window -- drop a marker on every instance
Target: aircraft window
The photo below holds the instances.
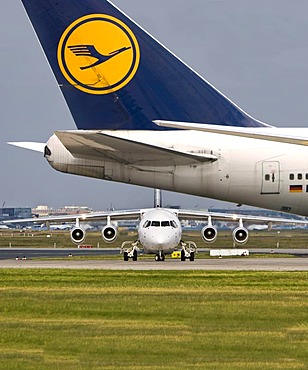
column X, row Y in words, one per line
column 173, row 224
column 267, row 177
column 299, row 176
column 306, row 176
column 291, row 176
column 147, row 224
column 165, row 223
column 155, row 223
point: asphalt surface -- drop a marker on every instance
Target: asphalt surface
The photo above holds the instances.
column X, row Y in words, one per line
column 30, row 253
column 13, row 258
column 233, row 264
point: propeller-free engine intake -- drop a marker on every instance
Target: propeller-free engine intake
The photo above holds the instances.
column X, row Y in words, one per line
column 78, row 235
column 109, row 233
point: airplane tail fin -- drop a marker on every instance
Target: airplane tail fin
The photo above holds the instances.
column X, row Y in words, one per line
column 114, row 75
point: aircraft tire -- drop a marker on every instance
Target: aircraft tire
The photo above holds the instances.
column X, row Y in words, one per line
column 183, row 255
column 125, row 256
column 192, row 256
column 135, row 256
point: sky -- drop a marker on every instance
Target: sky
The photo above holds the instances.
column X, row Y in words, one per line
column 255, row 52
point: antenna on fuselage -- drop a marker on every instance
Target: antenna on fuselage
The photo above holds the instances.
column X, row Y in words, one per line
column 158, row 199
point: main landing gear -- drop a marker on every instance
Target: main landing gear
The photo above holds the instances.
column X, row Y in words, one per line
column 188, row 251
column 131, row 252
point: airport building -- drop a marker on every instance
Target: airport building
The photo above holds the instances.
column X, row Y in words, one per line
column 43, row 210
column 15, row 213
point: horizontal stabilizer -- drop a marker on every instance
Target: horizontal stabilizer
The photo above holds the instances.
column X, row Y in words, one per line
column 37, row 147
column 280, row 135
column 99, row 144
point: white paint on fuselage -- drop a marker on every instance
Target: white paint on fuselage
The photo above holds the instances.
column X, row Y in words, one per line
column 237, row 176
column 159, row 231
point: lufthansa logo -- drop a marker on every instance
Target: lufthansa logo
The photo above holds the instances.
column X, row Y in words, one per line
column 98, row 54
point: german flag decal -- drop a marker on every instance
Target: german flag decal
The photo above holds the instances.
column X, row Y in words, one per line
column 296, row 188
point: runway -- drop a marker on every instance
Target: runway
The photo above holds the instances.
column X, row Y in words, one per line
column 231, row 264
column 30, row 253
column 13, row 258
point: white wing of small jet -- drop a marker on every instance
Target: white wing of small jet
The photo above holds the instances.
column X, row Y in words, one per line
column 181, row 214
column 235, row 217
column 93, row 216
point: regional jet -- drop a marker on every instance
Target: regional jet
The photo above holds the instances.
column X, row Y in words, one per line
column 159, row 229
column 146, row 118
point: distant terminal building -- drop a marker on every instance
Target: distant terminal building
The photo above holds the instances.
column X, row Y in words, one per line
column 43, row 211
column 15, row 213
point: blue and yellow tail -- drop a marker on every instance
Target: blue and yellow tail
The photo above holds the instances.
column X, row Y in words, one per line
column 114, row 75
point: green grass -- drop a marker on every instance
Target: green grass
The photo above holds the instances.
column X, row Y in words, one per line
column 58, row 239
column 72, row 319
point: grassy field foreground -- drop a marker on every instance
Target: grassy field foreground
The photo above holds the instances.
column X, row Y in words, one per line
column 64, row 319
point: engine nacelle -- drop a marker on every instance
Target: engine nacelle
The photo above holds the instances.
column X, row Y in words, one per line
column 78, row 235
column 209, row 234
column 109, row 233
column 240, row 235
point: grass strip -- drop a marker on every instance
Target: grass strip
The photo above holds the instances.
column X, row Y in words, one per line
column 85, row 319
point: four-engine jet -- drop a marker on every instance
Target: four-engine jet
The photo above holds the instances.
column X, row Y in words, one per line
column 159, row 229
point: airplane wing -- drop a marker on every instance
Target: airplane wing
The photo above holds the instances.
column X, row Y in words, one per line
column 235, row 217
column 95, row 144
column 136, row 214
column 281, row 135
column 87, row 217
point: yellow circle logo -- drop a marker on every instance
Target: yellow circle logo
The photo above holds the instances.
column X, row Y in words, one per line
column 98, row 54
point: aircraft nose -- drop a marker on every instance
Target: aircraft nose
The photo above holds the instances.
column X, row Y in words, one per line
column 162, row 240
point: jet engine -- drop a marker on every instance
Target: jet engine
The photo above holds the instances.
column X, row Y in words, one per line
column 209, row 234
column 109, row 233
column 78, row 235
column 240, row 235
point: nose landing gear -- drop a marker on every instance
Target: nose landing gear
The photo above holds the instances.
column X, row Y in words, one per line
column 160, row 256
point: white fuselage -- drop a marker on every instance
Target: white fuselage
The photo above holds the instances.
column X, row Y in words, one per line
column 159, row 231
column 256, row 172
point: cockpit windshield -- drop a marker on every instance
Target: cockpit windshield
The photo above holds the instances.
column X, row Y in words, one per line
column 149, row 223
column 165, row 223
column 155, row 223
